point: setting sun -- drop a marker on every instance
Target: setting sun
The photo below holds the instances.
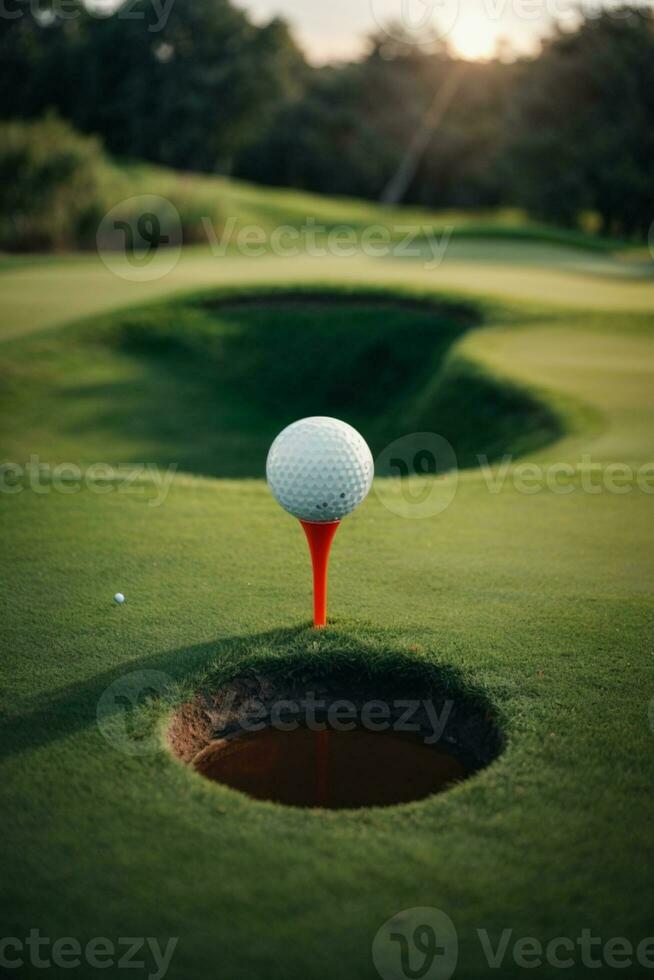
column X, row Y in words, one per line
column 476, row 37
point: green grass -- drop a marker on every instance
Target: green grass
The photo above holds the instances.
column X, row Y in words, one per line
column 540, row 603
column 499, row 253
column 207, row 381
column 222, row 197
column 38, row 293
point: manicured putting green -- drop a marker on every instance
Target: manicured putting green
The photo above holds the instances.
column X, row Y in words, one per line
column 539, row 602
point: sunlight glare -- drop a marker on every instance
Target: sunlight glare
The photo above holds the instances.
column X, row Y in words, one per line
column 476, row 37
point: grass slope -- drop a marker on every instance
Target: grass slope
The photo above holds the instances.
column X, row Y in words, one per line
column 220, row 198
column 540, row 602
column 206, row 382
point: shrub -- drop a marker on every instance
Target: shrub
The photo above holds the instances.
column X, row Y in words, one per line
column 54, row 185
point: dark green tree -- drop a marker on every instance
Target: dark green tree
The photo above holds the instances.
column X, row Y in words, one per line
column 349, row 131
column 186, row 90
column 580, row 135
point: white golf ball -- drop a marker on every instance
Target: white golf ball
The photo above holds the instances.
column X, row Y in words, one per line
column 320, row 469
column 119, row 598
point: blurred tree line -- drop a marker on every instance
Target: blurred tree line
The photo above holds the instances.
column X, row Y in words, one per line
column 566, row 133
column 188, row 90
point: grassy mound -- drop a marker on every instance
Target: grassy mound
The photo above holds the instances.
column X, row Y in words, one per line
column 207, row 382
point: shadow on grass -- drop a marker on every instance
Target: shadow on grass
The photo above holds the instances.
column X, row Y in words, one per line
column 73, row 708
column 348, row 655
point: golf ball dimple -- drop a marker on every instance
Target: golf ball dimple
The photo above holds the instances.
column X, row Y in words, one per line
column 320, row 469
column 119, row 598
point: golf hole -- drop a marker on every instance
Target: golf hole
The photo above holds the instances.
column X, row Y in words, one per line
column 331, row 769
column 253, row 736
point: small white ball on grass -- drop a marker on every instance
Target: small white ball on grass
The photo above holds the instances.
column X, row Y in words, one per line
column 119, row 598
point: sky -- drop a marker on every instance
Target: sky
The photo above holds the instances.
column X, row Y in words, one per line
column 330, row 30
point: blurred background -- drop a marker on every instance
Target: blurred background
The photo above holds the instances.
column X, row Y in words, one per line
column 497, row 110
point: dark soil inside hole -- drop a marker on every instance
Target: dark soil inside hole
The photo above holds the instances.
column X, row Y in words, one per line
column 332, row 770
column 275, row 738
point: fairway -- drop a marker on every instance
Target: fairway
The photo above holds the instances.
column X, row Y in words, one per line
column 42, row 293
column 531, row 592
